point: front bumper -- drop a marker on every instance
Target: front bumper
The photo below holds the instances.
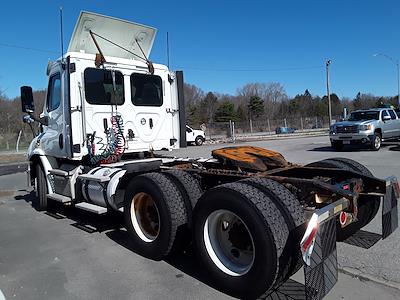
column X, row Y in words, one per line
column 352, row 139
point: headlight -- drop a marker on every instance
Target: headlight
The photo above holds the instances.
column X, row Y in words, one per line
column 365, row 127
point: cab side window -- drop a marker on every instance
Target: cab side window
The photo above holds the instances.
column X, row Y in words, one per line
column 188, row 130
column 54, row 92
column 392, row 114
column 384, row 114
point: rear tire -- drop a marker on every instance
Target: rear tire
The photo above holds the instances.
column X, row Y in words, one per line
column 368, row 208
column 40, row 202
column 189, row 187
column 154, row 209
column 199, row 141
column 239, row 236
column 293, row 213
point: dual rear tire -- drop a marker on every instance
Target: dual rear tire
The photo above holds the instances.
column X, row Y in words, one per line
column 244, row 236
column 246, row 233
column 157, row 211
column 368, row 207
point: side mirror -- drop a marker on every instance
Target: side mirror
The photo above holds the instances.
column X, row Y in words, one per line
column 27, row 99
column 386, row 118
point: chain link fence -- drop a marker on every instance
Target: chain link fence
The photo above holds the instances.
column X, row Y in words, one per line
column 219, row 130
column 216, row 130
column 18, row 141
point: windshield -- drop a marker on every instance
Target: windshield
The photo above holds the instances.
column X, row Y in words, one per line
column 364, row 115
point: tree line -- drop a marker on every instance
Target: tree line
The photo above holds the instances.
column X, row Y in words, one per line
column 11, row 112
column 261, row 101
column 253, row 101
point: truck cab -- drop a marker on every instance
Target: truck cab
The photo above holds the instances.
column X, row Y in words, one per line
column 122, row 99
column 108, row 107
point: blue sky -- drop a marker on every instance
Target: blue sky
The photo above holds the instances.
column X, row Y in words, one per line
column 222, row 45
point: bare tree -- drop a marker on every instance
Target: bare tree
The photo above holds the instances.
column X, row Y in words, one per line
column 193, row 94
column 275, row 94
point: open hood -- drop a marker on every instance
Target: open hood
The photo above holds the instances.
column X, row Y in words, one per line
column 121, row 32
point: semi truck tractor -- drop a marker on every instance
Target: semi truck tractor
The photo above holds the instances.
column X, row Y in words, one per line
column 252, row 217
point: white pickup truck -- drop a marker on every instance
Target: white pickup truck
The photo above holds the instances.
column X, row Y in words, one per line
column 195, row 136
column 366, row 127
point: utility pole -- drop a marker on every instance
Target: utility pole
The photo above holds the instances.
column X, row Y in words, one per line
column 328, row 62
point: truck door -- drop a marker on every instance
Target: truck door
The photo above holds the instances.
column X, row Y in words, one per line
column 55, row 141
column 395, row 123
column 388, row 126
column 189, row 134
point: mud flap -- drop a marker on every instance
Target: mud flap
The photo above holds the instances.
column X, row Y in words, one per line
column 389, row 207
column 318, row 247
column 320, row 268
column 322, row 272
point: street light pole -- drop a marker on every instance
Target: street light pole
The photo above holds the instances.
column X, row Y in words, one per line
column 398, row 84
column 328, row 62
column 396, row 62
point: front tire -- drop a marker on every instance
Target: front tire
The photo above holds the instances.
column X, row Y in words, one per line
column 40, row 202
column 337, row 145
column 154, row 210
column 239, row 236
column 376, row 142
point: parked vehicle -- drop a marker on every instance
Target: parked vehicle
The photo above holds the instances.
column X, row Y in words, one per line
column 254, row 218
column 366, row 127
column 283, row 130
column 195, row 136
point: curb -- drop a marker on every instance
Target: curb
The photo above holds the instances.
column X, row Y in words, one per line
column 366, row 277
column 267, row 137
column 16, row 163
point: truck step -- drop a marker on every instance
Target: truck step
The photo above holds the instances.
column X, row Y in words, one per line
column 59, row 198
column 59, row 172
column 91, row 208
column 94, row 178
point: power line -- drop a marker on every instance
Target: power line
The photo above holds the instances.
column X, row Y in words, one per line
column 188, row 67
column 26, row 48
column 251, row 69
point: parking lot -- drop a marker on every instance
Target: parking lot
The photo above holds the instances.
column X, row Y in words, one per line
column 69, row 254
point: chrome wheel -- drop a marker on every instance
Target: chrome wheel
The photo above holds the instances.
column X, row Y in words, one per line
column 377, row 142
column 145, row 217
column 229, row 242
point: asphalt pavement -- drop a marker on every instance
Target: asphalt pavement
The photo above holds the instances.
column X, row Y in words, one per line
column 70, row 254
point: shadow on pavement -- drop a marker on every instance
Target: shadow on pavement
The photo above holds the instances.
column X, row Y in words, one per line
column 84, row 220
column 355, row 148
column 184, row 261
column 363, row 239
column 395, row 148
column 346, row 149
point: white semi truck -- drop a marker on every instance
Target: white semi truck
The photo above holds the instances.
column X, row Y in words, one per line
column 253, row 218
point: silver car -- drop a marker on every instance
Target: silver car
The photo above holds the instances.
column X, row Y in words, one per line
column 366, row 127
